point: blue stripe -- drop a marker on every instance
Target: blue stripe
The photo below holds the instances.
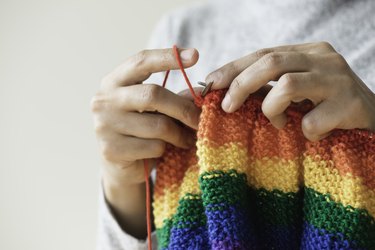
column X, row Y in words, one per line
column 188, row 238
column 315, row 238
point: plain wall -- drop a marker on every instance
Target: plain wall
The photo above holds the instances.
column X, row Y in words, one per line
column 52, row 57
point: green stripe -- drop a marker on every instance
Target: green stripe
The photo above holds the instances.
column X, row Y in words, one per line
column 273, row 208
column 229, row 188
column 356, row 224
column 164, row 233
column 189, row 211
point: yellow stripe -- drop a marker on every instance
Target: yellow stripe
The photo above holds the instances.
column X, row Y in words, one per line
column 268, row 173
column 275, row 173
column 346, row 189
column 287, row 175
column 165, row 206
column 190, row 183
column 228, row 156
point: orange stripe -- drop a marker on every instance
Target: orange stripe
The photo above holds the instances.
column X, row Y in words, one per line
column 248, row 126
column 172, row 167
column 350, row 152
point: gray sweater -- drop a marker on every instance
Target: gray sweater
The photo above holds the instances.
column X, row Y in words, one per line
column 224, row 30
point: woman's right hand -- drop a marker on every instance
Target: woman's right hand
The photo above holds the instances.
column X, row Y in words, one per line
column 134, row 121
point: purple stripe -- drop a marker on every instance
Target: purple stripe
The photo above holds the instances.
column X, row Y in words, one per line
column 229, row 227
column 315, row 238
column 188, row 238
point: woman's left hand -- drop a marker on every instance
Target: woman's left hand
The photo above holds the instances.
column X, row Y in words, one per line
column 313, row 71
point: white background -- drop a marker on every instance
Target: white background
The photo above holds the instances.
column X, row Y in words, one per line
column 52, row 57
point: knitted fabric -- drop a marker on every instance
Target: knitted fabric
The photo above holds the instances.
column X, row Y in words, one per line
column 247, row 185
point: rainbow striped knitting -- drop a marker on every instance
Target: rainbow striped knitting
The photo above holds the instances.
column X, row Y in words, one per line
column 247, row 185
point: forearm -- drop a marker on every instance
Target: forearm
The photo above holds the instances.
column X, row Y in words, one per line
column 127, row 203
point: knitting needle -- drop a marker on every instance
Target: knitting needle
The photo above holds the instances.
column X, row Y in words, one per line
column 206, row 86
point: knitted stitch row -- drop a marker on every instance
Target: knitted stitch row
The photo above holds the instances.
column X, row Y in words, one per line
column 247, row 185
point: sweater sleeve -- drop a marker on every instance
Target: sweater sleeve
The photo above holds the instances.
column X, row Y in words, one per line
column 110, row 234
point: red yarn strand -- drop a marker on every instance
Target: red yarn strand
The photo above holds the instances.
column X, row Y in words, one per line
column 145, row 161
column 165, row 78
column 177, row 55
column 148, row 205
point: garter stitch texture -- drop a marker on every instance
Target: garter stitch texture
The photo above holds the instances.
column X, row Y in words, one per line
column 247, row 185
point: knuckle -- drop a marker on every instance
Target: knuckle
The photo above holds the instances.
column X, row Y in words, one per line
column 272, row 60
column 339, row 61
column 187, row 111
column 100, row 127
column 150, row 93
column 237, row 83
column 163, row 126
column 108, row 152
column 287, row 83
column 139, row 59
column 265, row 109
column 232, row 67
column 309, row 125
column 357, row 104
column 97, row 103
column 326, row 46
column 262, row 52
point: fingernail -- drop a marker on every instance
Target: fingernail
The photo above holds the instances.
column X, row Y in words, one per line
column 226, row 104
column 187, row 54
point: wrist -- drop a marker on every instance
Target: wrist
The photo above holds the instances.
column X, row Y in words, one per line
column 124, row 196
column 127, row 203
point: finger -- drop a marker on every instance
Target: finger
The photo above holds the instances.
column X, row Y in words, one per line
column 149, row 126
column 223, row 76
column 140, row 66
column 151, row 97
column 294, row 87
column 122, row 149
column 320, row 121
column 268, row 68
column 187, row 94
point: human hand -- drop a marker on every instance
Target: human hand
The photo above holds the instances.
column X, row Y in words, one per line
column 313, row 71
column 133, row 121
